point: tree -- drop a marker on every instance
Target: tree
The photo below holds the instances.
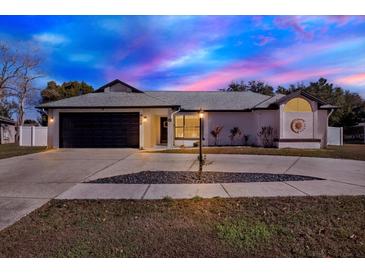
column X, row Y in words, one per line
column 19, row 68
column 351, row 106
column 236, row 86
column 54, row 92
column 6, row 108
column 25, row 87
column 253, row 86
column 10, row 68
column 260, row 87
column 31, row 122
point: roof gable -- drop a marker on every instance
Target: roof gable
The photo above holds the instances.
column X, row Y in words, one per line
column 117, row 82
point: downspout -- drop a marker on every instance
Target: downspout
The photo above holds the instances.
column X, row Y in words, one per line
column 172, row 120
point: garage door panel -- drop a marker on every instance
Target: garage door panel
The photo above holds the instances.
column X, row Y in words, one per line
column 99, row 130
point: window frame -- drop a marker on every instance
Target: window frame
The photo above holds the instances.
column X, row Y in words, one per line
column 183, row 127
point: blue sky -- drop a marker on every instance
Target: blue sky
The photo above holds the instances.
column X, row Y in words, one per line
column 195, row 52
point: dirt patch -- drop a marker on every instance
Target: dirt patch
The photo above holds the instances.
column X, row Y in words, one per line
column 195, row 177
column 245, row 227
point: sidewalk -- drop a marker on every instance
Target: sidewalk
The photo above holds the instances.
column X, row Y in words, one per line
column 187, row 191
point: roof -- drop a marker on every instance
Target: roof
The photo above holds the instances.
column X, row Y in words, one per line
column 108, row 100
column 5, row 120
column 117, row 81
column 211, row 101
column 273, row 100
column 188, row 101
column 302, row 93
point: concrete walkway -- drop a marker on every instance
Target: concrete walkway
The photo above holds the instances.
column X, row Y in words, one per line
column 228, row 190
column 343, row 177
column 27, row 182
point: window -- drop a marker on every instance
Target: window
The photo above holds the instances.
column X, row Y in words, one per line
column 187, row 126
column 297, row 105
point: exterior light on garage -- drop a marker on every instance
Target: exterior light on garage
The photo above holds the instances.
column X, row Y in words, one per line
column 201, row 114
column 51, row 119
column 144, row 118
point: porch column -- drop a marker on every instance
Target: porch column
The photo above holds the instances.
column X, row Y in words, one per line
column 141, row 130
column 170, row 129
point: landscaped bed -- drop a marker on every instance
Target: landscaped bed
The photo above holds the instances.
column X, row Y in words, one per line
column 195, row 177
column 245, row 227
column 353, row 151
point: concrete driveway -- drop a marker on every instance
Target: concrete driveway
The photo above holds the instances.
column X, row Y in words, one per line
column 27, row 182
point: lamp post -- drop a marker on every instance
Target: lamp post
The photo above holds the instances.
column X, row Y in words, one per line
column 201, row 116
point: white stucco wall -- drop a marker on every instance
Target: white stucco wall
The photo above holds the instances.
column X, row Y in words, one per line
column 315, row 126
column 248, row 122
column 322, row 126
column 265, row 118
column 149, row 129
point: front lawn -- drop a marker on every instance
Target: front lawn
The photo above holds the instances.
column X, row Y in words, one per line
column 245, row 227
column 11, row 150
column 354, row 152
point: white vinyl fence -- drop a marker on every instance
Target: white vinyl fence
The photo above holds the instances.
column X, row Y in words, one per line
column 33, row 136
column 335, row 136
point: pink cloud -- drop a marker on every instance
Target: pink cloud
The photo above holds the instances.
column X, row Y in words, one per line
column 358, row 78
column 237, row 70
column 295, row 23
column 155, row 63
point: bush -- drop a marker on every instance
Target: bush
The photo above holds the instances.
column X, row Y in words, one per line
column 267, row 136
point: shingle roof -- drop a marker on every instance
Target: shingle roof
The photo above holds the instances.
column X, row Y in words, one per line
column 208, row 101
column 217, row 100
column 186, row 100
column 107, row 100
column 270, row 101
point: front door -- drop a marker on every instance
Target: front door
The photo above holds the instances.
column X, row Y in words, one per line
column 163, row 130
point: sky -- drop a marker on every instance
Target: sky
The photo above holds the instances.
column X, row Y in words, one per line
column 194, row 53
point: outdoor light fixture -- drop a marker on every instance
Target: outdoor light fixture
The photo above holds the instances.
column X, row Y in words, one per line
column 51, row 119
column 201, row 116
column 145, row 118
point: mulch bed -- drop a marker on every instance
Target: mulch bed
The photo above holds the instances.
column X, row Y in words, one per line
column 194, row 177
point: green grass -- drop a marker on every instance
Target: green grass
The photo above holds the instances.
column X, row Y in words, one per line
column 242, row 227
column 353, row 151
column 244, row 234
column 11, row 150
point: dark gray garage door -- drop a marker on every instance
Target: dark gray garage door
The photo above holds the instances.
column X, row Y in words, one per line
column 99, row 130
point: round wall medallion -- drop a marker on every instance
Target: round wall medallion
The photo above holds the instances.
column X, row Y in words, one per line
column 297, row 125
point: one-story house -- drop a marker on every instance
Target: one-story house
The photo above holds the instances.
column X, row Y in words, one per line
column 7, row 130
column 119, row 115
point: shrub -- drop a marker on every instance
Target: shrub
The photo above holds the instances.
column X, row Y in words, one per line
column 215, row 133
column 267, row 136
column 234, row 132
column 245, row 139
